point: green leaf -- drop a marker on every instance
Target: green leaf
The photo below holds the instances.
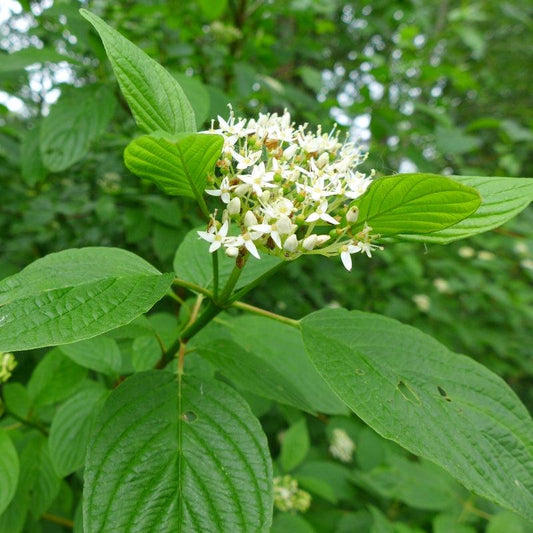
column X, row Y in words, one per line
column 70, row 429
column 156, row 99
column 9, row 470
column 178, row 165
column 439, row 405
column 161, row 462
column 146, row 352
column 29, row 56
column 193, row 263
column 74, row 295
column 243, row 352
column 290, row 523
column 16, row 398
column 31, row 164
column 213, row 9
column 507, row 522
column 37, row 476
column 99, row 353
column 454, row 141
column 197, row 94
column 54, row 378
column 295, row 445
column 415, row 203
column 75, row 120
column 502, row 199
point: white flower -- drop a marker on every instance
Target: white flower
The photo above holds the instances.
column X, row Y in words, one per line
column 223, row 192
column 259, row 178
column 248, row 160
column 321, row 214
column 250, row 219
column 310, row 242
column 422, row 301
column 346, row 252
column 216, row 238
column 282, row 226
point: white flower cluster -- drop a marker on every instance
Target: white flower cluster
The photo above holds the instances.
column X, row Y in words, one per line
column 288, row 497
column 286, row 191
column 342, row 446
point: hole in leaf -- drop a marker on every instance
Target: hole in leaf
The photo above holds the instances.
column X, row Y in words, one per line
column 443, row 393
column 189, row 416
column 359, row 371
column 407, row 392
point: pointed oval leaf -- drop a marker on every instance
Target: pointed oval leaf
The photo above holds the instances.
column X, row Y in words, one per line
column 75, row 120
column 9, row 470
column 415, row 203
column 179, row 166
column 156, row 99
column 164, row 459
column 437, row 404
column 71, row 427
column 501, row 200
column 74, row 295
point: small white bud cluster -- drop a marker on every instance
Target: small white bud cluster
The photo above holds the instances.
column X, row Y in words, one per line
column 342, row 446
column 286, row 191
column 288, row 497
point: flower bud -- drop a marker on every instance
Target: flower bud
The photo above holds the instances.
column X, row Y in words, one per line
column 352, row 215
column 291, row 244
column 284, row 225
column 323, row 160
column 234, row 206
column 321, row 239
column 289, row 152
column 310, row 242
column 265, row 197
column 232, row 251
column 250, row 219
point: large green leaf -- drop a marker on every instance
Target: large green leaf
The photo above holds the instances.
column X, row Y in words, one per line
column 193, row 263
column 435, row 403
column 9, row 470
column 164, row 459
column 178, row 165
column 501, row 200
column 31, row 163
column 156, row 99
column 75, row 120
column 71, row 427
column 415, row 203
column 74, row 295
column 244, row 351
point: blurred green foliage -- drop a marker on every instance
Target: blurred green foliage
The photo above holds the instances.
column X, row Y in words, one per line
column 434, row 86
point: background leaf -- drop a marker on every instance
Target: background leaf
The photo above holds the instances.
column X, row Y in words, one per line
column 9, row 470
column 75, row 120
column 74, row 295
column 156, row 99
column 159, row 462
column 70, row 429
column 244, row 352
column 295, row 445
column 101, row 354
column 437, row 404
column 192, row 262
column 415, row 203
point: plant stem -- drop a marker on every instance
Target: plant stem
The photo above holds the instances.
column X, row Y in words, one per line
column 215, row 274
column 28, row 423
column 58, row 520
column 267, row 314
column 245, row 290
column 192, row 287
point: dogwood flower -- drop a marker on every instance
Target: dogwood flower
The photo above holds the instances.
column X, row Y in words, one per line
column 283, row 187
